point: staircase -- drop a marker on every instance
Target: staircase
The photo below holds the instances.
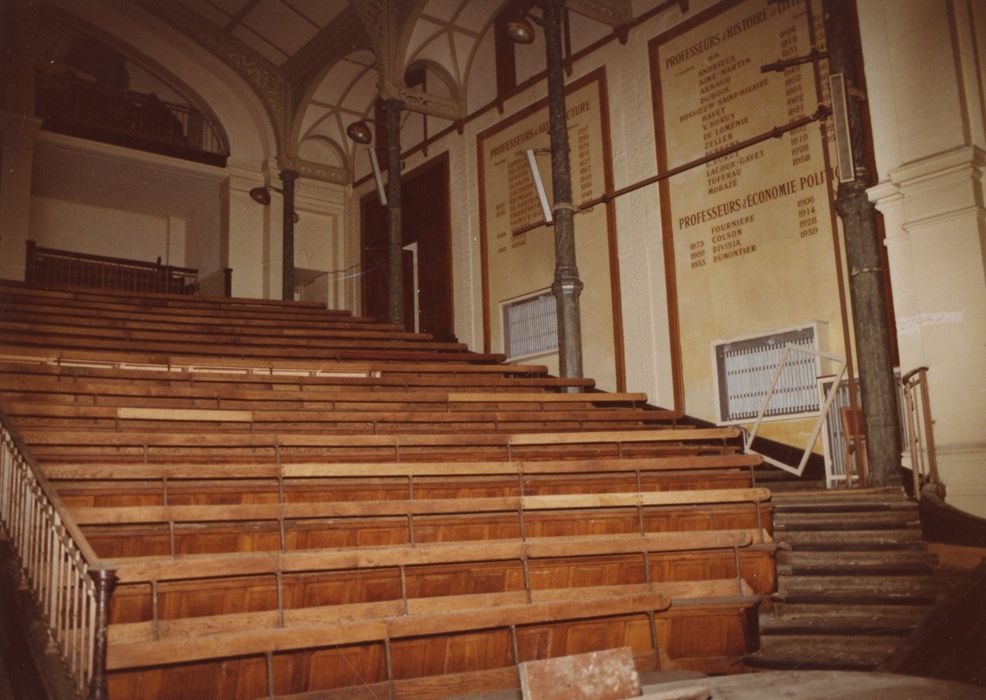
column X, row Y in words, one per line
column 854, row 578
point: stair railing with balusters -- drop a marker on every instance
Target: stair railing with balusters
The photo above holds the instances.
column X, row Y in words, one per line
column 920, row 435
column 68, row 583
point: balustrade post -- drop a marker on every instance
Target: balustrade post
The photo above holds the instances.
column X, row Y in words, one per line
column 105, row 580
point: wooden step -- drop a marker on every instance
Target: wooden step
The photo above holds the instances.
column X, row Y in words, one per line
column 916, row 590
column 844, row 501
column 907, row 538
column 880, row 520
column 805, row 652
column 907, row 614
column 905, row 562
column 848, row 620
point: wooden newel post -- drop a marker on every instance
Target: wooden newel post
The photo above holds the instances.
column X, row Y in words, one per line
column 105, row 580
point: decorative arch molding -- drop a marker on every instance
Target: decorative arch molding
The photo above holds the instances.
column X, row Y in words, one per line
column 249, row 127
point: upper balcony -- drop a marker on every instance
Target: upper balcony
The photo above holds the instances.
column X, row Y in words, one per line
column 72, row 106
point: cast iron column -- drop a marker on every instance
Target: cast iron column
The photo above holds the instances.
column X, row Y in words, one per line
column 395, row 242
column 866, row 274
column 287, row 254
column 566, row 286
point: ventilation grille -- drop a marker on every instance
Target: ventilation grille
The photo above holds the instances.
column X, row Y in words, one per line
column 530, row 326
column 744, row 369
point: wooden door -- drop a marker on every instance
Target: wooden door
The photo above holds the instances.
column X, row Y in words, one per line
column 425, row 221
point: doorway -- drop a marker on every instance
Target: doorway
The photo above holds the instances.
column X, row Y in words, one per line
column 427, row 243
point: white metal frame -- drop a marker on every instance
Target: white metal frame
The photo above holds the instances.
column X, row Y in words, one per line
column 822, row 413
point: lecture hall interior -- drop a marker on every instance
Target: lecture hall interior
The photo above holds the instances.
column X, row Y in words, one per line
column 473, row 348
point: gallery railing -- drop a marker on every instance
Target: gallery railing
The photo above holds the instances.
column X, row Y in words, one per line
column 69, row 585
column 49, row 266
column 920, row 435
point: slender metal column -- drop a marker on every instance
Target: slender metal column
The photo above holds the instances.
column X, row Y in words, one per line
column 287, row 254
column 395, row 242
column 105, row 580
column 566, row 286
column 866, row 274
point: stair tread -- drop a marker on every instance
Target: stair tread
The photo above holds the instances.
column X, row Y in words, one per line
column 851, row 557
column 814, row 562
column 853, row 622
column 905, row 538
column 833, row 651
column 842, row 520
column 916, row 590
column 836, row 609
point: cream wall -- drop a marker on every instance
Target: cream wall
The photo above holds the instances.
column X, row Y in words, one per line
column 101, row 231
column 924, row 70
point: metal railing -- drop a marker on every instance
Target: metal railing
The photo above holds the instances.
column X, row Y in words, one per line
column 49, row 266
column 920, row 435
column 839, row 462
column 123, row 117
column 69, row 585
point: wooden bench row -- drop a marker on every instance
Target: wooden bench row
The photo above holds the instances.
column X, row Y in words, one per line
column 368, row 420
column 30, row 312
column 260, row 368
column 100, row 391
column 230, row 337
column 403, row 649
column 404, row 470
column 411, row 507
column 136, row 350
column 165, row 305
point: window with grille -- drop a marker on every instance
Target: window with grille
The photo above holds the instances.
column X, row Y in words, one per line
column 745, row 367
column 530, row 325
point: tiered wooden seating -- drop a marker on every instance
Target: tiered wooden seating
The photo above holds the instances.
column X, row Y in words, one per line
column 409, row 517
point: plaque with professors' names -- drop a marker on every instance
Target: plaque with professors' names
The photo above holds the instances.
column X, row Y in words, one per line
column 519, row 260
column 748, row 237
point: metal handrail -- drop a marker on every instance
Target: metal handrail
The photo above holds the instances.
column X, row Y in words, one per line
column 68, row 583
column 921, row 437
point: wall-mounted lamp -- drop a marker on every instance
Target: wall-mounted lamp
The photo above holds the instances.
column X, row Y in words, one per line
column 520, row 30
column 261, row 195
column 360, row 133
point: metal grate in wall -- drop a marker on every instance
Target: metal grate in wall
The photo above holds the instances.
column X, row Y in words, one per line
column 530, row 326
column 744, row 369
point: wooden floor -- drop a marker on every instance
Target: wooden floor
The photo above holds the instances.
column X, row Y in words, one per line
column 300, row 500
